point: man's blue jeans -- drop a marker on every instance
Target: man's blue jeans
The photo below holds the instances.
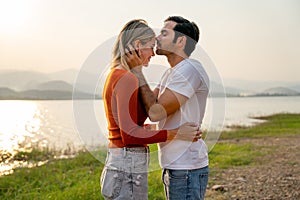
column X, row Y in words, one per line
column 185, row 184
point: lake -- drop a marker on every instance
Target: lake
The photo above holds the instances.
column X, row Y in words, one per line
column 67, row 126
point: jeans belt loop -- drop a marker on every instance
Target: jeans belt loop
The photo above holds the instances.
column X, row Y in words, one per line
column 148, row 155
column 124, row 151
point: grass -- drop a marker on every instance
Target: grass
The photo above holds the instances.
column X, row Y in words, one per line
column 79, row 177
column 275, row 126
column 75, row 178
column 226, row 155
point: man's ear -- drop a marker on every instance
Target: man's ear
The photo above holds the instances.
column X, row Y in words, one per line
column 181, row 41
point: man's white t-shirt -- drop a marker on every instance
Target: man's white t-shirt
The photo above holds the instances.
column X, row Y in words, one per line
column 189, row 79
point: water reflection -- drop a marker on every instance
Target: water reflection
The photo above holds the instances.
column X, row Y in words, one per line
column 51, row 124
column 19, row 130
column 20, row 121
column 41, row 125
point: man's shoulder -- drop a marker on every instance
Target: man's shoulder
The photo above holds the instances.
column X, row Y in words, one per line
column 195, row 63
column 188, row 64
column 191, row 67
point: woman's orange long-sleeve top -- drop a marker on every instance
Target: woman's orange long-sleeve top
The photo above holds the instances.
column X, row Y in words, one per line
column 125, row 113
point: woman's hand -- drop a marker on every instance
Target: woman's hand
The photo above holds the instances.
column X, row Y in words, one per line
column 133, row 58
column 188, row 131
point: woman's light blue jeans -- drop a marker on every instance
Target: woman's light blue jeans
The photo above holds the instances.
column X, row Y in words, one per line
column 185, row 184
column 125, row 174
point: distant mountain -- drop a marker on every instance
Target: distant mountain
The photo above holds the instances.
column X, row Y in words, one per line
column 257, row 86
column 8, row 94
column 36, row 85
column 55, row 85
column 45, row 94
column 20, row 80
column 217, row 90
column 24, row 80
column 59, row 85
column 52, row 95
column 231, row 91
column 68, row 75
column 281, row 91
column 296, row 88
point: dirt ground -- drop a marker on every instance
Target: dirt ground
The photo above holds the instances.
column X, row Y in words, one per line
column 276, row 176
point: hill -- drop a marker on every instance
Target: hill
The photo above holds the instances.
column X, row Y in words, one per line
column 280, row 91
column 34, row 84
column 55, row 85
column 9, row 94
column 21, row 80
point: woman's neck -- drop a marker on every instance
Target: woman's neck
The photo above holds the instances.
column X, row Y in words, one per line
column 119, row 67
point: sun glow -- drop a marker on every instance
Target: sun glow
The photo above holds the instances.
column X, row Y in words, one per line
column 14, row 15
column 20, row 120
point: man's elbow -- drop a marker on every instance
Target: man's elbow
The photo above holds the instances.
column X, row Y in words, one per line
column 155, row 118
column 157, row 112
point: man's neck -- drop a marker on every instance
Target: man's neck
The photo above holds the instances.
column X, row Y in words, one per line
column 174, row 59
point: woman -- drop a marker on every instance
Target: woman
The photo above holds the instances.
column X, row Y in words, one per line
column 125, row 173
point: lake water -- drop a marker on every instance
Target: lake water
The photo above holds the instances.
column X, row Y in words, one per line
column 60, row 126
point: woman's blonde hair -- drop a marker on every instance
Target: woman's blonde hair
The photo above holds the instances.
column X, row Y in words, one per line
column 136, row 29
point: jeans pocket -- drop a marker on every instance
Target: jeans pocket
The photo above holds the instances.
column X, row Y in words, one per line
column 177, row 174
column 111, row 183
column 203, row 180
column 140, row 164
column 176, row 184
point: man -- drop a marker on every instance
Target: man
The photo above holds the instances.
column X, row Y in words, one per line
column 180, row 97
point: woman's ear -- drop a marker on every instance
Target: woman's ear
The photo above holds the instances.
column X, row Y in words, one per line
column 136, row 44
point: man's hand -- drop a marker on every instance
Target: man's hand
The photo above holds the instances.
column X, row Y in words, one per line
column 133, row 58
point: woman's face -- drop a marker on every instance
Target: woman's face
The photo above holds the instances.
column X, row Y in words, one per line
column 146, row 51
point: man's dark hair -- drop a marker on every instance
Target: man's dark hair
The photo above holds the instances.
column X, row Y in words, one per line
column 185, row 28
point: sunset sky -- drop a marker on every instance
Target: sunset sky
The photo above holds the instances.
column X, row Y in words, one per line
column 250, row 40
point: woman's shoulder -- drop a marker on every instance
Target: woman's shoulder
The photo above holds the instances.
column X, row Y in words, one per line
column 122, row 74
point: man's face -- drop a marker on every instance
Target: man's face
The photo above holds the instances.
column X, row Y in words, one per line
column 165, row 43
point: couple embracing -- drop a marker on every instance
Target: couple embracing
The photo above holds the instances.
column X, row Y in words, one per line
column 177, row 103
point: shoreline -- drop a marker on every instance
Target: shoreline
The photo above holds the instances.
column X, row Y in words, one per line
column 236, row 152
column 69, row 152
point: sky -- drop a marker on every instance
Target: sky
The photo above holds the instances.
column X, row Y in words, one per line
column 247, row 40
